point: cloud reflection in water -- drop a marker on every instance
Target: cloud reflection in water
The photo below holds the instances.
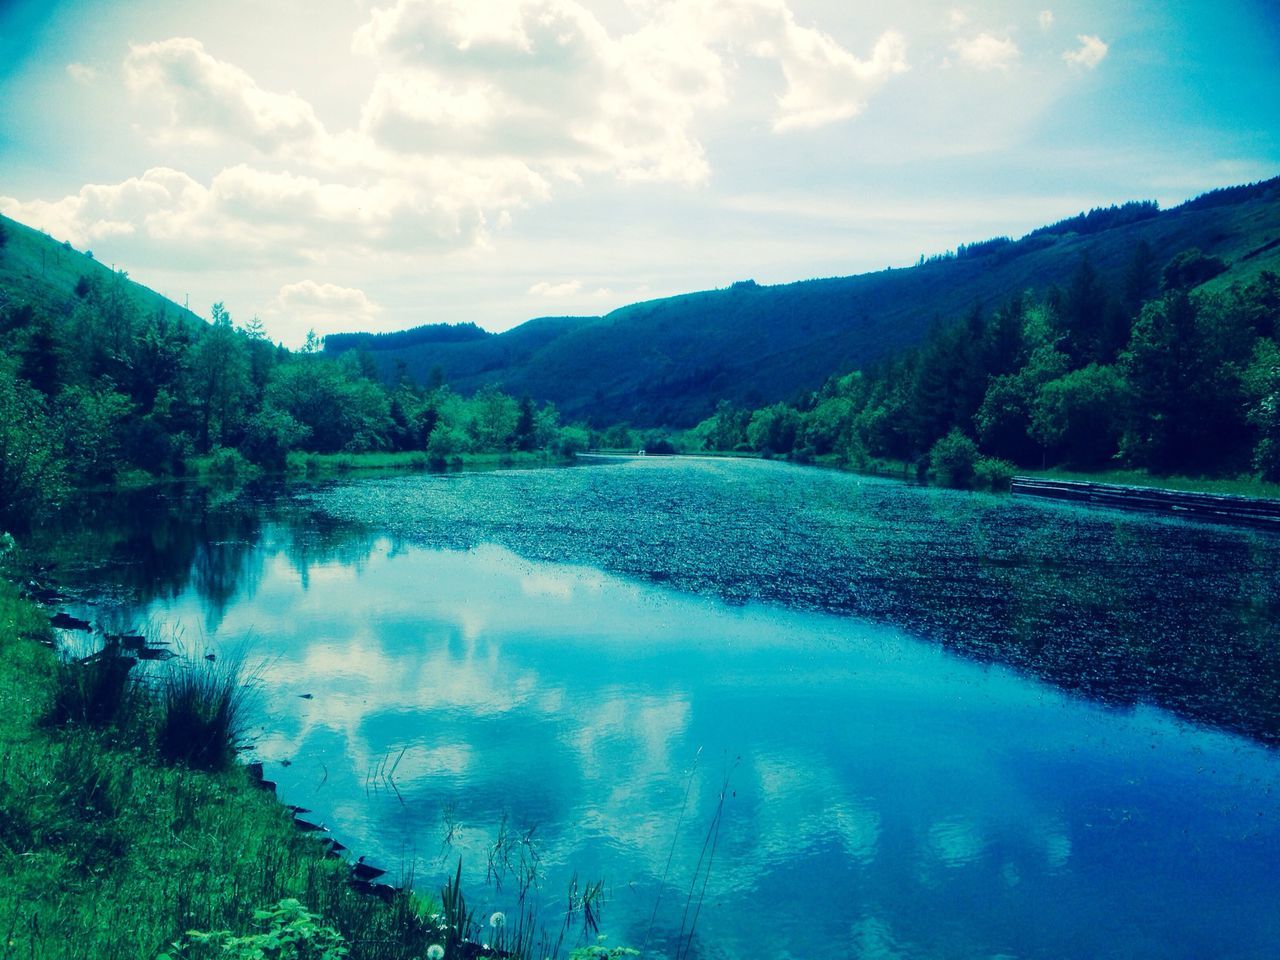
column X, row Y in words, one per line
column 886, row 797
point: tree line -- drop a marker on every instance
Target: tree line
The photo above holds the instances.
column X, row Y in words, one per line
column 1140, row 369
column 94, row 388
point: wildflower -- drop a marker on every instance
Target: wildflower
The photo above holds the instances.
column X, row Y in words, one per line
column 497, row 920
column 435, row 952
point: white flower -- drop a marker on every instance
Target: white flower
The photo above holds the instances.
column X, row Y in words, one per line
column 498, row 919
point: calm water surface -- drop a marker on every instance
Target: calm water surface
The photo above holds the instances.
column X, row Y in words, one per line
column 596, row 657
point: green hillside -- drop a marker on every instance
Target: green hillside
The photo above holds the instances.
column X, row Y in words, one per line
column 39, row 268
column 667, row 362
column 105, row 382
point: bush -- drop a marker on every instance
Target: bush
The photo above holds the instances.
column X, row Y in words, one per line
column 289, row 932
column 32, row 473
column 1191, row 268
column 952, row 460
column 97, row 694
column 570, row 441
column 202, row 713
column 270, row 435
column 659, row 447
column 773, row 430
column 229, row 464
column 445, row 442
column 991, row 473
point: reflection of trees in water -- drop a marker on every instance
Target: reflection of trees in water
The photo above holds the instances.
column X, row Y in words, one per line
column 132, row 547
column 313, row 539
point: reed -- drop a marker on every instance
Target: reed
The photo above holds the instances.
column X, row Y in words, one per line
column 203, row 712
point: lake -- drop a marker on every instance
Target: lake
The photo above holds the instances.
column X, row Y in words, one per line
column 779, row 711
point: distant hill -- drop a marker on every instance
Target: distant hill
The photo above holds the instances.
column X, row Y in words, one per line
column 666, row 362
column 36, row 266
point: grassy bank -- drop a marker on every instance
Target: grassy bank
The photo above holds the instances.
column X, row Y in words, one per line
column 114, row 843
column 300, row 464
column 1248, row 485
column 1245, row 486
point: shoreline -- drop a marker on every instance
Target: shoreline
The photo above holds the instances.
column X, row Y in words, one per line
column 98, row 827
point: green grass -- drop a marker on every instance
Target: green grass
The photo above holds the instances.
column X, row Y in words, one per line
column 109, row 850
column 327, row 464
column 1245, row 486
column 108, row 853
column 35, row 263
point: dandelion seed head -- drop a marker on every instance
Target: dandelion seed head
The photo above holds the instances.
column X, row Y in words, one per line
column 498, row 919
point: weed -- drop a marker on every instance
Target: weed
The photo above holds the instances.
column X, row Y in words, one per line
column 202, row 712
column 98, row 692
column 288, row 932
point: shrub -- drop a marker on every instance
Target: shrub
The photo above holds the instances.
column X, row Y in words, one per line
column 599, row 951
column 202, row 713
column 99, row 693
column 659, row 446
column 32, row 473
column 570, row 441
column 773, row 430
column 952, row 460
column 270, row 435
column 445, row 442
column 991, row 473
column 229, row 464
column 1191, row 268
column 288, row 932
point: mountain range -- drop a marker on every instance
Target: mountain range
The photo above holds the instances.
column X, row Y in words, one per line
column 667, row 362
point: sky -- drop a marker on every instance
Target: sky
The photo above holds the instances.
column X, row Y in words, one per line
column 337, row 165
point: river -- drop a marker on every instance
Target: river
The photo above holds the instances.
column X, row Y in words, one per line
column 779, row 711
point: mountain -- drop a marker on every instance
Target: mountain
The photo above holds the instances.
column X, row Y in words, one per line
column 667, row 362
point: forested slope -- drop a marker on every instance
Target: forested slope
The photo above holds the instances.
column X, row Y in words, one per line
column 667, row 362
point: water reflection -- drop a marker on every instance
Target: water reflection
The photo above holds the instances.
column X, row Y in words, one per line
column 1122, row 607
column 884, row 798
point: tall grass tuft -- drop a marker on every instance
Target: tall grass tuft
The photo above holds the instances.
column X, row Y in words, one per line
column 97, row 693
column 202, row 712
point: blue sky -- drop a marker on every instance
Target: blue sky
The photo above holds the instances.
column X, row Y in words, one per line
column 376, row 164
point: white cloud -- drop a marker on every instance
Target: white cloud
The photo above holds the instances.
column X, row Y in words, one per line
column 1089, row 54
column 825, row 83
column 210, row 100
column 1046, row 19
column 566, row 289
column 160, row 202
column 987, row 52
column 957, row 19
column 324, row 304
column 544, row 81
column 82, row 73
column 538, row 80
column 245, row 213
column 467, row 112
